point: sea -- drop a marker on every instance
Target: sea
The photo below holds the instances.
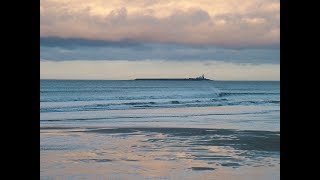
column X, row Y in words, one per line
column 127, row 129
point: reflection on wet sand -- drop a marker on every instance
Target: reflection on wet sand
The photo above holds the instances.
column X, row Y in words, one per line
column 168, row 153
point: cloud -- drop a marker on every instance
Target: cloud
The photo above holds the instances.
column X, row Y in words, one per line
column 60, row 49
column 231, row 23
column 78, row 42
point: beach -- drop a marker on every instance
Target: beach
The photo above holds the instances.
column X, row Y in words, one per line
column 180, row 135
column 165, row 153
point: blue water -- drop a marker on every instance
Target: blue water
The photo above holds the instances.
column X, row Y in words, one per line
column 148, row 102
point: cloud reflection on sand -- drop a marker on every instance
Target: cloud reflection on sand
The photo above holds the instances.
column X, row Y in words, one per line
column 169, row 153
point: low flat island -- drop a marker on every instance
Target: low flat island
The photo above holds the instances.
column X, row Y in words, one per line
column 200, row 78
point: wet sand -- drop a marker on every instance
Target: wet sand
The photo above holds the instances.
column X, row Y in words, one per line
column 158, row 153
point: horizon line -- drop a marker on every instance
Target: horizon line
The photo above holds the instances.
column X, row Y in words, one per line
column 134, row 80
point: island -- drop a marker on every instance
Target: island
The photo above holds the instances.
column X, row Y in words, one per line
column 200, row 78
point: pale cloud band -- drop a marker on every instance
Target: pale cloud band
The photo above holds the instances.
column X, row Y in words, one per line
column 127, row 70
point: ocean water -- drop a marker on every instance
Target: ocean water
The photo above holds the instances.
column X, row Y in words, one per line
column 122, row 129
column 178, row 103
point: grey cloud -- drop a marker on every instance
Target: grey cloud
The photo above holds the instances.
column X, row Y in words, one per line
column 76, row 42
column 59, row 49
column 117, row 16
column 191, row 17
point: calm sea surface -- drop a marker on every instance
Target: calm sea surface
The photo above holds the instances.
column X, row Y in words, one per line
column 138, row 103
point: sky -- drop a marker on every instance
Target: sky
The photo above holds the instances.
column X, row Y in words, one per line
column 127, row 39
